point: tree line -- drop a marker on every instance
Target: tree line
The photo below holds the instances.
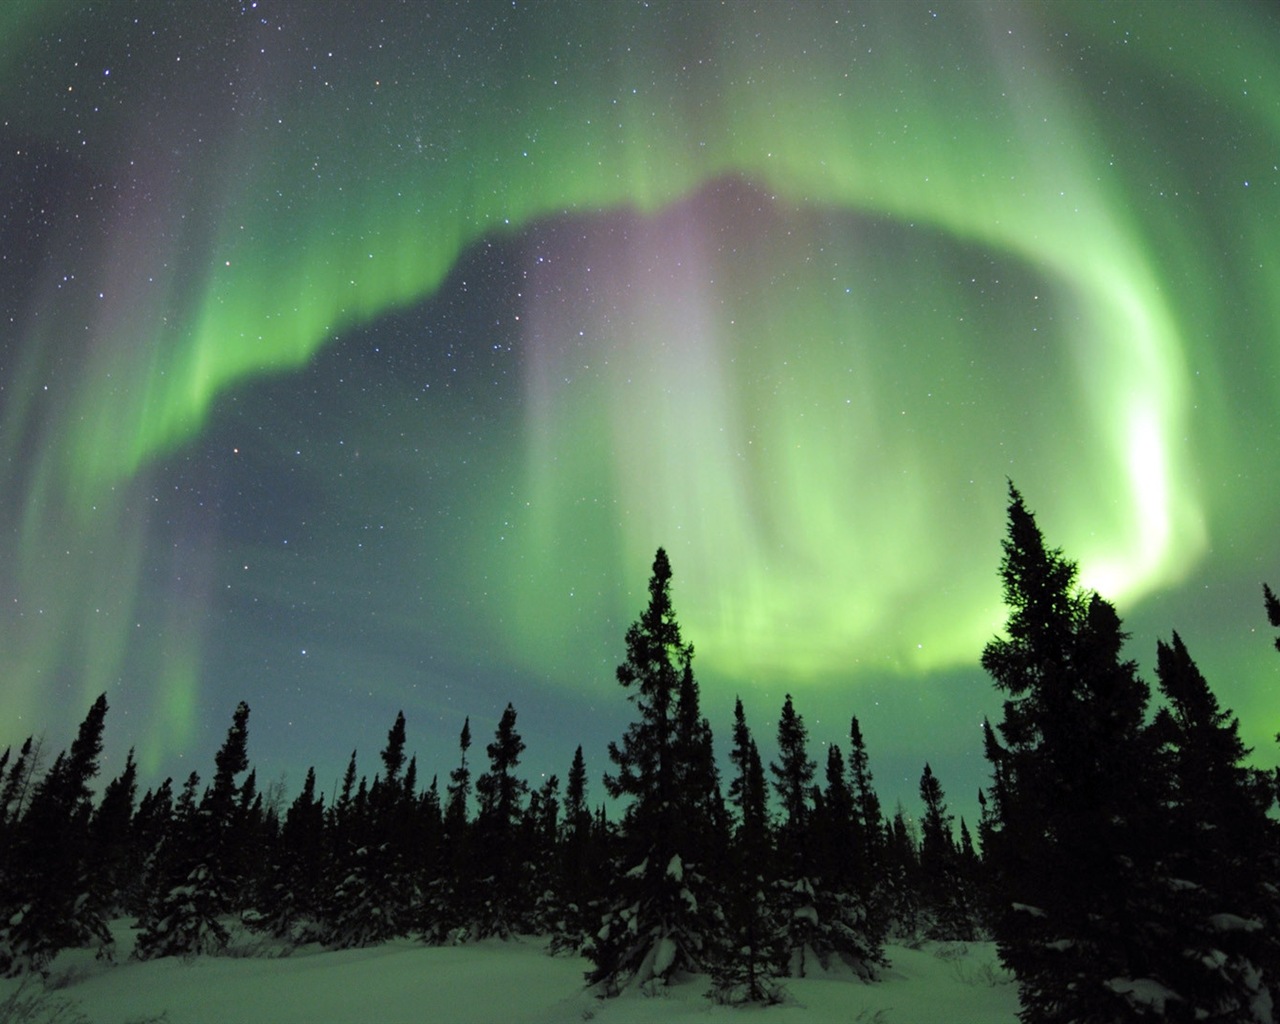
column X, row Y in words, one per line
column 1126, row 862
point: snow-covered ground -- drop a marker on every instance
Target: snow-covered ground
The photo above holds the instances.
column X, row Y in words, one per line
column 485, row 982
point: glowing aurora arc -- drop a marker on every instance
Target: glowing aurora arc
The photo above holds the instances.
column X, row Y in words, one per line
column 313, row 218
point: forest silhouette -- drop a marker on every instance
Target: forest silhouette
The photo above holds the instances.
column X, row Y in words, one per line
column 1126, row 863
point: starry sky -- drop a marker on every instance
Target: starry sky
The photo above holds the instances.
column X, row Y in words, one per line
column 356, row 357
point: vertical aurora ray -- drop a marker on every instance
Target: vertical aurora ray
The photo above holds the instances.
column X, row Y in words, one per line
column 849, row 267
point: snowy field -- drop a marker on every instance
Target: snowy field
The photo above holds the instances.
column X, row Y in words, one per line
column 508, row 982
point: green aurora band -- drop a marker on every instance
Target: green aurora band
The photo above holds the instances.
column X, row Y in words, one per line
column 816, row 422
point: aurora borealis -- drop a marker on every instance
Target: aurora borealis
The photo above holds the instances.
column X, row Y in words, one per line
column 357, row 357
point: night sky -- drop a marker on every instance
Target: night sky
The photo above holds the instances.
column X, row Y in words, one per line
column 358, row 357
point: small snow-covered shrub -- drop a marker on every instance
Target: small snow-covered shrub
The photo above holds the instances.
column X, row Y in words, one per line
column 762, row 990
column 185, row 922
column 31, row 1003
column 64, row 977
column 243, row 943
column 951, row 951
column 981, row 974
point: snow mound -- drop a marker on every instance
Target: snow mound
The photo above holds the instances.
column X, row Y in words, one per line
column 513, row 981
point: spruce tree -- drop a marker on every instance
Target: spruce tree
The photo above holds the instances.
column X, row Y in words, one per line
column 148, row 832
column 455, row 813
column 374, row 891
column 196, row 880
column 657, row 928
column 836, row 854
column 944, row 886
column 792, row 780
column 358, row 910
column 746, row 968
column 579, row 865
column 748, row 794
column 1218, row 871
column 392, row 809
column 901, row 901
column 706, row 838
column 823, row 919
column 1272, row 604
column 17, row 783
column 500, row 790
column 425, row 865
column 868, row 831
column 50, row 900
column 536, row 864
column 253, row 831
column 500, row 902
column 110, row 838
column 448, row 908
column 792, row 777
column 937, row 847
column 1074, row 793
column 393, row 753
column 292, row 902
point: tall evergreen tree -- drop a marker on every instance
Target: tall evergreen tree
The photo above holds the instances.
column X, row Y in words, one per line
column 697, row 782
column 110, row 837
column 501, row 901
column 792, row 778
column 747, row 791
column 1074, row 793
column 1220, row 864
column 822, row 917
column 657, row 928
column 17, row 783
column 945, row 888
column 1272, row 604
column 746, row 969
column 252, row 830
column 455, row 813
column 579, row 865
column 232, row 759
column 837, row 853
column 868, row 828
column 50, row 901
column 393, row 753
column 536, row 866
column 500, row 790
column 374, row 891
column 425, row 865
column 291, row 907
column 937, row 846
column 448, row 908
column 196, row 883
column 575, row 797
column 792, row 781
column 148, row 836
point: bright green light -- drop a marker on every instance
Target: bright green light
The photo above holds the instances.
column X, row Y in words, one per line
column 816, row 430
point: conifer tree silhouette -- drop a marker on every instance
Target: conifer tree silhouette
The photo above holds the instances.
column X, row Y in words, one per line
column 1074, row 792
column 195, row 878
column 501, row 899
column 868, row 831
column 658, row 925
column 747, row 968
column 50, row 899
column 1220, row 863
column 579, row 865
column 945, row 886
